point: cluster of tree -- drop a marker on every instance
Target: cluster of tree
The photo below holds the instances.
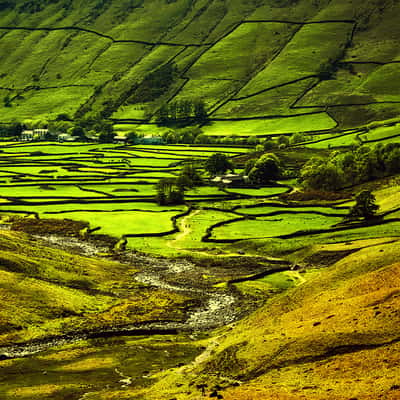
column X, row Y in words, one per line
column 350, row 168
column 10, row 130
column 218, row 164
column 182, row 112
column 171, row 191
column 265, row 169
column 187, row 135
column 155, row 84
column 195, row 135
column 90, row 126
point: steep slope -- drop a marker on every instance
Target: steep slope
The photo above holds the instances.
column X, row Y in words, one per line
column 281, row 66
column 334, row 337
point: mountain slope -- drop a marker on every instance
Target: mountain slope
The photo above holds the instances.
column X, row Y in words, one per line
column 335, row 336
column 284, row 65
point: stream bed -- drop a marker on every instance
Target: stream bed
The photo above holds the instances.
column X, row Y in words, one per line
column 217, row 307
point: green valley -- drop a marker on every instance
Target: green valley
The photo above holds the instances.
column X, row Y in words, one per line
column 199, row 199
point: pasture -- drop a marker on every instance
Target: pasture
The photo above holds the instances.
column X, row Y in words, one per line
column 111, row 190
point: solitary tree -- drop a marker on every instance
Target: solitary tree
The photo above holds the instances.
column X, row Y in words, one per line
column 365, row 206
column 77, row 131
column 218, row 164
column 106, row 137
column 190, row 176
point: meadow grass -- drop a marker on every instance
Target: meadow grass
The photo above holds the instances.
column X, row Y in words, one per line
column 303, row 56
column 341, row 141
column 38, row 103
column 264, row 209
column 273, row 226
column 234, row 56
column 259, row 192
column 268, row 127
column 344, row 89
column 122, row 223
column 381, row 133
column 274, row 102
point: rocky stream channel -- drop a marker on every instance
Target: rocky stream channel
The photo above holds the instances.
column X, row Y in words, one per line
column 217, row 307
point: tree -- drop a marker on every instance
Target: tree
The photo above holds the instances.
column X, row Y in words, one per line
column 392, row 161
column 77, row 131
column 189, row 176
column 106, row 137
column 298, row 137
column 283, row 141
column 200, row 113
column 168, row 192
column 249, row 165
column 202, row 139
column 365, row 206
column 318, row 174
column 63, row 117
column 269, row 144
column 132, row 137
column 266, row 168
column 259, row 148
column 218, row 164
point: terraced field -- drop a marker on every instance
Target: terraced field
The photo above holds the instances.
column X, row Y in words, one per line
column 110, row 190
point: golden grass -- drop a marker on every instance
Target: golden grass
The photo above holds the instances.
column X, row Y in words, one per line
column 332, row 337
column 46, row 291
column 89, row 364
column 39, row 390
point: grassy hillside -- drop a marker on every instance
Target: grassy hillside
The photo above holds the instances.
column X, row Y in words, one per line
column 331, row 57
column 333, row 333
column 241, row 292
column 46, row 291
column 335, row 336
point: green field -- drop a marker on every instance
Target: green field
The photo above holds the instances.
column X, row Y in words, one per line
column 283, row 224
column 268, row 287
column 85, row 59
column 112, row 188
column 273, row 126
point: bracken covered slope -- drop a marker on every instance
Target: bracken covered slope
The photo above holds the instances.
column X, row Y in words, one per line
column 272, row 66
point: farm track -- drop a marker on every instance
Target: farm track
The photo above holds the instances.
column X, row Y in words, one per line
column 185, row 230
